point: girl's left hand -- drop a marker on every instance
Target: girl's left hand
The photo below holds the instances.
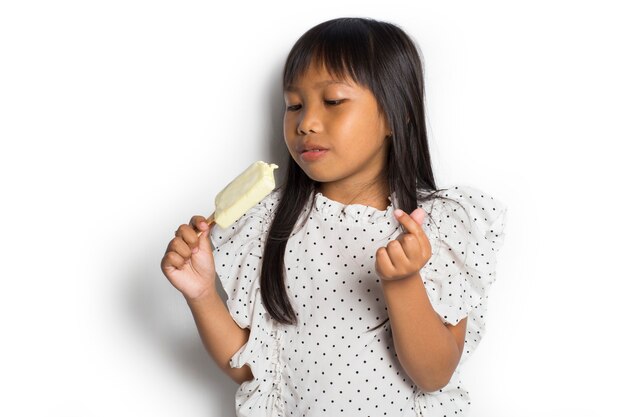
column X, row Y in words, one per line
column 406, row 255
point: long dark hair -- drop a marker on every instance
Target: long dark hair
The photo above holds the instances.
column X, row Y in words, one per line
column 381, row 57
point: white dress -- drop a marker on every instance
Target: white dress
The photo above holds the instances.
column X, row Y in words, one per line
column 331, row 363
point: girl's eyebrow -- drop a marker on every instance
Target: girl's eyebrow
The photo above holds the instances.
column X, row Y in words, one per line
column 318, row 85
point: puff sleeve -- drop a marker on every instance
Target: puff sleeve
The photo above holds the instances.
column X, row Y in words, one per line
column 466, row 233
column 238, row 251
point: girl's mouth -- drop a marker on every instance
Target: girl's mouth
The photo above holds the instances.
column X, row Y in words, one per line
column 313, row 154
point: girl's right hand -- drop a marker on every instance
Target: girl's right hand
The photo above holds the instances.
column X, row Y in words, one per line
column 188, row 261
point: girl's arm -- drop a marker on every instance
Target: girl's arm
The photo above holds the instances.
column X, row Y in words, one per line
column 428, row 350
column 221, row 336
column 189, row 265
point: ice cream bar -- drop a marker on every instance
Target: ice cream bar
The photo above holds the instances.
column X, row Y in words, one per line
column 242, row 193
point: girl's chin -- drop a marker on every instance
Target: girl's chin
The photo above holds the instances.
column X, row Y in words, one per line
column 316, row 172
column 315, row 175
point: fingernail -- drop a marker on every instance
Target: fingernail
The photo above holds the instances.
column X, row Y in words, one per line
column 398, row 212
column 194, row 250
column 204, row 225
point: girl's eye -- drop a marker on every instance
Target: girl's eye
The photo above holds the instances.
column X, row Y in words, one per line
column 296, row 107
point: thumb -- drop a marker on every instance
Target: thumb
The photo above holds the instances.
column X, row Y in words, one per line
column 419, row 214
column 204, row 244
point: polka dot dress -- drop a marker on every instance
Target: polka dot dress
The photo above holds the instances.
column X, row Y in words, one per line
column 336, row 361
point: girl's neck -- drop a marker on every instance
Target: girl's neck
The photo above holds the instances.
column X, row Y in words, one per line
column 374, row 195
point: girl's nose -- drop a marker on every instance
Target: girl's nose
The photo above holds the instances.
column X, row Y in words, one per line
column 309, row 122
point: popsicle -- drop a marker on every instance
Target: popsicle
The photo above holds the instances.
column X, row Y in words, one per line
column 242, row 193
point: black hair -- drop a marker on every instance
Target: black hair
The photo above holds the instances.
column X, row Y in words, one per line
column 383, row 58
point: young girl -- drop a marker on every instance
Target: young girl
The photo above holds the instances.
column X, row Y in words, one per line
column 357, row 287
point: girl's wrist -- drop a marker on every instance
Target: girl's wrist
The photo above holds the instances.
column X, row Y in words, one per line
column 404, row 278
column 207, row 296
column 399, row 282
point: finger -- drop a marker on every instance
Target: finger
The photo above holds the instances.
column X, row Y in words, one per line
column 410, row 246
column 410, row 225
column 419, row 215
column 199, row 223
column 189, row 235
column 179, row 246
column 383, row 263
column 204, row 238
column 396, row 254
column 172, row 259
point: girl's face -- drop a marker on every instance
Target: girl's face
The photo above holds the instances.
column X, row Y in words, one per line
column 335, row 132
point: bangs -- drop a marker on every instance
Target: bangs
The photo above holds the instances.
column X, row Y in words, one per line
column 343, row 48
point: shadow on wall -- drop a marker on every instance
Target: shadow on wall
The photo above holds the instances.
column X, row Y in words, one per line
column 276, row 149
column 158, row 311
column 160, row 315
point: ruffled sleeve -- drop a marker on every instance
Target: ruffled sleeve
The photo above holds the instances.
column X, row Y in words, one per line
column 238, row 251
column 466, row 233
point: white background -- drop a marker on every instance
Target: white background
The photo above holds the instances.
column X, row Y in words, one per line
column 119, row 120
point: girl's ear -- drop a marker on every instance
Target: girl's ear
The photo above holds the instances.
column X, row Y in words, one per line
column 388, row 128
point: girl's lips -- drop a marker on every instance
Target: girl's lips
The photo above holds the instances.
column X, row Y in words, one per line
column 313, row 155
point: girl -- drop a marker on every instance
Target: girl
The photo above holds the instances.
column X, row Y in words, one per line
column 357, row 287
